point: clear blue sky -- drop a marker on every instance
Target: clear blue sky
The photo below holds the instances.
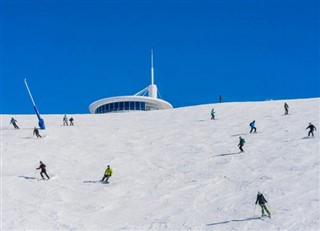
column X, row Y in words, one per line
column 76, row 52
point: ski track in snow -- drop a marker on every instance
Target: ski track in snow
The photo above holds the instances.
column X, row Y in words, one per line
column 173, row 169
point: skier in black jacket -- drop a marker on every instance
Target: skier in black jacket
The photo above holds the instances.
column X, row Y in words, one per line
column 36, row 132
column 241, row 143
column 312, row 128
column 262, row 201
column 43, row 170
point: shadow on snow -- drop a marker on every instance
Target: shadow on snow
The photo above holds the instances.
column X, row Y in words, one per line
column 28, row 177
column 235, row 220
column 242, row 134
column 92, row 181
column 228, row 154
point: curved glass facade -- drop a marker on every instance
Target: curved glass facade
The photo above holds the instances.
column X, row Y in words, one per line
column 121, row 106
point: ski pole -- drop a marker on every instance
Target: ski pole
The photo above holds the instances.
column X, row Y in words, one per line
column 254, row 210
column 35, row 173
column 269, row 208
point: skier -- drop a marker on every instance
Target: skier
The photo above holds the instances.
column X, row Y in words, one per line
column 107, row 174
column 71, row 121
column 262, row 201
column 286, row 108
column 252, row 125
column 65, row 120
column 43, row 170
column 36, row 132
column 241, row 143
column 14, row 123
column 220, row 98
column 312, row 128
column 212, row 114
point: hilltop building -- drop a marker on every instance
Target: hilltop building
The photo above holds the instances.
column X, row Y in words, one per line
column 145, row 100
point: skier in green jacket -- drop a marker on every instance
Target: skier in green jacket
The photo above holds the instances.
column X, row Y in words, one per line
column 107, row 174
column 212, row 114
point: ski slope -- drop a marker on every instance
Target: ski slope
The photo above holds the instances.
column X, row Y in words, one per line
column 172, row 169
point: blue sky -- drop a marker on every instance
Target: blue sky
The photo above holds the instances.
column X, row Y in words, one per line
column 76, row 52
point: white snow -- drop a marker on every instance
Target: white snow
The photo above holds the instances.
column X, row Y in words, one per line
column 172, row 169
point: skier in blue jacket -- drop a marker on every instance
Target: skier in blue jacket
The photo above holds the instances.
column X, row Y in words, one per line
column 252, row 125
column 14, row 123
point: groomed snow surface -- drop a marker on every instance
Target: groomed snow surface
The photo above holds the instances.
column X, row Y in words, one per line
column 172, row 170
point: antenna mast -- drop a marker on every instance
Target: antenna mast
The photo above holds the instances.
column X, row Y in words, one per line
column 152, row 89
column 152, row 69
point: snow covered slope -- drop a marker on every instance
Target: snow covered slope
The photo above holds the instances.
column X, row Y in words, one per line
column 172, row 169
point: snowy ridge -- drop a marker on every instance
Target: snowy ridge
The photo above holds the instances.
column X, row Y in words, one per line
column 173, row 169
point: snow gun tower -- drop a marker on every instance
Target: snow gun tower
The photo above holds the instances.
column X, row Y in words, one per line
column 41, row 121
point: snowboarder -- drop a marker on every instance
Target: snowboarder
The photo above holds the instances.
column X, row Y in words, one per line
column 43, row 170
column 312, row 128
column 71, row 121
column 286, row 108
column 107, row 174
column 36, row 132
column 241, row 143
column 252, row 125
column 14, row 123
column 212, row 114
column 65, row 120
column 220, row 98
column 262, row 202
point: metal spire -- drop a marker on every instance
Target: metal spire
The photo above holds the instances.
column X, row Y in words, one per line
column 152, row 69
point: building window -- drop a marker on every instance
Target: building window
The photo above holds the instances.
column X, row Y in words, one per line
column 143, row 106
column 137, row 105
column 126, row 105
column 132, row 106
column 121, row 106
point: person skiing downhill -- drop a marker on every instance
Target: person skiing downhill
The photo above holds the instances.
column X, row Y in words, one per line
column 312, row 128
column 36, row 132
column 252, row 125
column 220, row 98
column 212, row 114
column 43, row 170
column 65, row 120
column 241, row 143
column 262, row 202
column 286, row 108
column 14, row 123
column 71, row 121
column 107, row 174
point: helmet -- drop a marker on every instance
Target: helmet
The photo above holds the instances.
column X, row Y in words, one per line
column 108, row 166
column 259, row 193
